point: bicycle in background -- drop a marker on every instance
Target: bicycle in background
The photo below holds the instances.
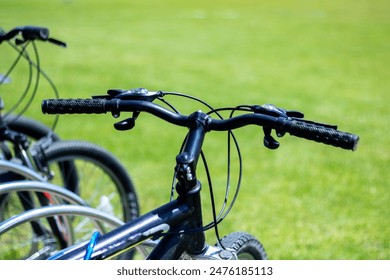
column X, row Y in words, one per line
column 30, row 150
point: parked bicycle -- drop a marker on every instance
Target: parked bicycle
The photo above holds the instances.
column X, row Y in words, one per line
column 74, row 160
column 81, row 167
column 177, row 228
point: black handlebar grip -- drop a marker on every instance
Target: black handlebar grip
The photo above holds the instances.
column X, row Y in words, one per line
column 35, row 32
column 322, row 134
column 74, row 106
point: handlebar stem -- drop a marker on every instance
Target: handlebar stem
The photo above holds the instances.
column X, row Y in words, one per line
column 187, row 160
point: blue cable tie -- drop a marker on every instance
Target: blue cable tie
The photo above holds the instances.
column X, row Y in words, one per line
column 91, row 245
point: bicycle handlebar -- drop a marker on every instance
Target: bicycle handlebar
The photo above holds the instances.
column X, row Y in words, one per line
column 30, row 33
column 299, row 128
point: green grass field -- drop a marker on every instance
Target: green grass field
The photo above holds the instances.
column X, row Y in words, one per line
column 328, row 59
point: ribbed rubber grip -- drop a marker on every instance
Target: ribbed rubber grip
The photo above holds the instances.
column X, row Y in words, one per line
column 322, row 134
column 74, row 106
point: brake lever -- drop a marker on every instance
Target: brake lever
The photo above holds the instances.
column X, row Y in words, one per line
column 128, row 123
column 268, row 141
column 271, row 110
column 137, row 94
column 57, row 42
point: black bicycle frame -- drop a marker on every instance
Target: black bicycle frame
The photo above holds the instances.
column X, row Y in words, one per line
column 179, row 221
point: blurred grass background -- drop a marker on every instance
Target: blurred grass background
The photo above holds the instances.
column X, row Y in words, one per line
column 328, row 59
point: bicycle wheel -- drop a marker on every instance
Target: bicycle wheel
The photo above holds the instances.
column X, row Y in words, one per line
column 20, row 197
column 246, row 246
column 30, row 127
column 76, row 224
column 72, row 163
column 14, row 203
column 71, row 174
column 95, row 175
